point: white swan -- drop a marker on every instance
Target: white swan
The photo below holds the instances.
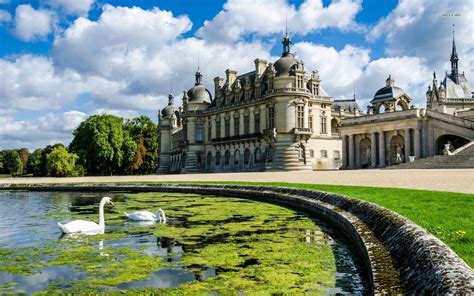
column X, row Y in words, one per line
column 147, row 216
column 88, row 227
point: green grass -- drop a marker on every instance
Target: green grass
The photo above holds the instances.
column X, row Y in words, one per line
column 447, row 215
column 4, row 176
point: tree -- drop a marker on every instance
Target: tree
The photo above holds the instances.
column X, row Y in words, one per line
column 35, row 163
column 61, row 163
column 12, row 163
column 24, row 154
column 102, row 144
column 44, row 154
column 145, row 134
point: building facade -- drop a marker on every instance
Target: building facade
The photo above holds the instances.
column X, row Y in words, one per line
column 277, row 117
column 393, row 131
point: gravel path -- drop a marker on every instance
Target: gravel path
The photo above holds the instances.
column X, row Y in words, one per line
column 456, row 180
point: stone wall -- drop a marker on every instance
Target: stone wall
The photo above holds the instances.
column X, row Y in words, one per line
column 400, row 257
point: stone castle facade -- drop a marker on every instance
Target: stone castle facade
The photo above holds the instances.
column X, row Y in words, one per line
column 277, row 117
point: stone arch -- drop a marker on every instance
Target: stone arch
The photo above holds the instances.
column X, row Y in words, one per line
column 334, row 126
column 397, row 150
column 453, row 142
column 227, row 158
column 236, row 157
column 209, row 159
column 401, row 105
column 382, row 108
column 218, row 158
column 257, row 155
column 365, row 160
column 246, row 156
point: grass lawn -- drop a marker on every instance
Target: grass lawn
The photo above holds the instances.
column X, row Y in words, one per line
column 4, row 176
column 447, row 215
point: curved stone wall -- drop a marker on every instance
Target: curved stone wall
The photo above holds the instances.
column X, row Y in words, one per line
column 400, row 257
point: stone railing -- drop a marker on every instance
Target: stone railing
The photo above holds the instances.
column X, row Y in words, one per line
column 451, row 119
column 387, row 116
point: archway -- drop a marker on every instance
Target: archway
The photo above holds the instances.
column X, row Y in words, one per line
column 236, row 157
column 257, row 155
column 449, row 143
column 334, row 127
column 209, row 160
column 397, row 150
column 365, row 160
column 227, row 157
column 246, row 156
column 218, row 158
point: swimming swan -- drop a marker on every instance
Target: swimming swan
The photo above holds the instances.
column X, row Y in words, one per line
column 88, row 227
column 147, row 216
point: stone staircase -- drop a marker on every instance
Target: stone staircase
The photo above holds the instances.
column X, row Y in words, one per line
column 462, row 158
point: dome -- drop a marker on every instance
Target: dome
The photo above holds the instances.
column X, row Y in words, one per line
column 284, row 65
column 199, row 94
column 389, row 91
column 168, row 111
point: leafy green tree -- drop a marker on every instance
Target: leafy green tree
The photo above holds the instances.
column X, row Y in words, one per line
column 35, row 163
column 145, row 134
column 12, row 163
column 1, row 163
column 61, row 163
column 44, row 154
column 102, row 144
column 24, row 154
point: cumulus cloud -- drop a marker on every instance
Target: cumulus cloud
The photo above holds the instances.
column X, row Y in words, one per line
column 263, row 17
column 73, row 7
column 419, row 28
column 31, row 24
column 32, row 83
column 5, row 16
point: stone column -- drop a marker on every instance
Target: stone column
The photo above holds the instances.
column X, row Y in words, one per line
column 213, row 127
column 252, row 120
column 373, row 150
column 351, row 151
column 407, row 144
column 241, row 121
column 232, row 129
column 381, row 149
column 344, row 152
column 417, row 143
column 222, row 125
column 263, row 117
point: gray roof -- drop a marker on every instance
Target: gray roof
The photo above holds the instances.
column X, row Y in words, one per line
column 199, row 94
column 457, row 91
column 284, row 66
column 348, row 105
column 388, row 92
column 169, row 110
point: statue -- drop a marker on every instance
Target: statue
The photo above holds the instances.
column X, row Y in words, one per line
column 399, row 154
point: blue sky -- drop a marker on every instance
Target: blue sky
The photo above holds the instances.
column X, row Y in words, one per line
column 63, row 60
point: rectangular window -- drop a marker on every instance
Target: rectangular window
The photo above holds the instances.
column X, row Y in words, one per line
column 323, row 125
column 227, row 127
column 236, row 126
column 337, row 154
column 300, row 116
column 218, row 128
column 310, row 121
column 271, row 117
column 324, row 154
column 209, row 132
column 257, row 122
column 199, row 133
column 246, row 124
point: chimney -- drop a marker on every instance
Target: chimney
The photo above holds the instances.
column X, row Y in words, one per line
column 260, row 66
column 230, row 75
column 218, row 83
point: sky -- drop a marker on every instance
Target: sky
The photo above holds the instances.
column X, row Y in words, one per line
column 64, row 60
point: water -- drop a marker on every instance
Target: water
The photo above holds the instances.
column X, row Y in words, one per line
column 210, row 244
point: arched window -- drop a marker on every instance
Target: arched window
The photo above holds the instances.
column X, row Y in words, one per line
column 218, row 158
column 209, row 158
column 246, row 156
column 257, row 155
column 236, row 157
column 227, row 158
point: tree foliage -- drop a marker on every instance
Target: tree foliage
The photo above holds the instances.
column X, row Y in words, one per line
column 12, row 163
column 145, row 134
column 35, row 162
column 61, row 163
column 24, row 153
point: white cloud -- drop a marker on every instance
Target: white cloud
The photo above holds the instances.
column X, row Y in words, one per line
column 32, row 83
column 74, row 7
column 4, row 1
column 264, row 17
column 5, row 16
column 31, row 24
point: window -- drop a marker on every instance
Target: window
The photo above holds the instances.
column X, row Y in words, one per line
column 227, row 127
column 246, row 156
column 271, row 117
column 236, row 157
column 257, row 122
column 324, row 154
column 236, row 125
column 218, row 158
column 227, row 158
column 199, row 132
column 209, row 132
column 209, row 159
column 311, row 153
column 300, row 116
column 310, row 120
column 246, row 124
column 315, row 89
column 257, row 155
column 299, row 81
column 337, row 154
column 218, row 128
column 323, row 125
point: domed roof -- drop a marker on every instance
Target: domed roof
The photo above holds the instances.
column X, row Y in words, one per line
column 388, row 91
column 198, row 93
column 169, row 110
column 284, row 66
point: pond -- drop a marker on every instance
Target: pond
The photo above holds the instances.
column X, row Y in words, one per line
column 210, row 244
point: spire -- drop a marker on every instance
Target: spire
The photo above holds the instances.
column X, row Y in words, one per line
column 454, row 62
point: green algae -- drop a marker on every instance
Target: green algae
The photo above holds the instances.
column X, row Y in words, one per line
column 253, row 247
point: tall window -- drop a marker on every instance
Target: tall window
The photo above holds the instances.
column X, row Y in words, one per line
column 323, row 125
column 300, row 116
column 209, row 132
column 246, row 124
column 227, row 127
column 271, row 117
column 310, row 120
column 257, row 122
column 227, row 157
column 236, row 125
column 218, row 158
column 199, row 133
column 299, row 81
column 218, row 127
